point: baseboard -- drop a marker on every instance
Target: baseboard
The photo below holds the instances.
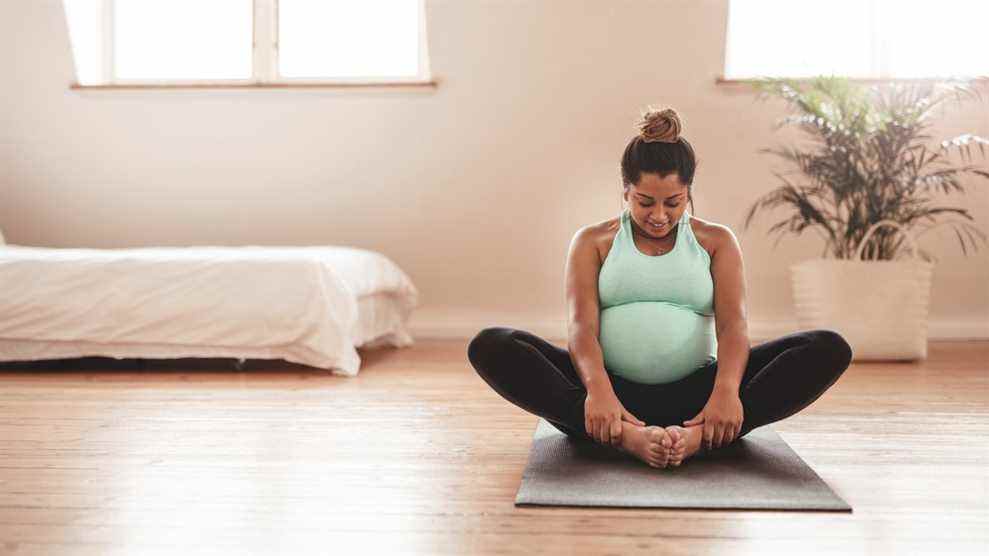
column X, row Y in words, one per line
column 463, row 327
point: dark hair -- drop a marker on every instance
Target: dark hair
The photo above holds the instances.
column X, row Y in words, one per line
column 659, row 150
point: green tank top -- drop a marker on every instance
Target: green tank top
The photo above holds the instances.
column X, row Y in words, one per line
column 656, row 312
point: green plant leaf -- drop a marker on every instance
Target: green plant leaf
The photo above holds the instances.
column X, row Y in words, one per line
column 869, row 158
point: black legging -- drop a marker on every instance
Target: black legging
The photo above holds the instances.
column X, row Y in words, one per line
column 782, row 377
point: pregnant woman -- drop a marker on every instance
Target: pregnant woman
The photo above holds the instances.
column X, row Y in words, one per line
column 659, row 364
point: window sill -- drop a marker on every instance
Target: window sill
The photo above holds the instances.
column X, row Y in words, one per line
column 742, row 83
column 329, row 85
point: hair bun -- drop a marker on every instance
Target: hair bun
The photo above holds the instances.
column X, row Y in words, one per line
column 660, row 126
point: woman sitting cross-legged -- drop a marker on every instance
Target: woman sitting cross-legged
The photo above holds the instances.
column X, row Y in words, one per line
column 659, row 363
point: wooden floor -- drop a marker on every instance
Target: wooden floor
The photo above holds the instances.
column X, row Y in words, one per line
column 418, row 455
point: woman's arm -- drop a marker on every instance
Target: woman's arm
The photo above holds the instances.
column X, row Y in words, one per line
column 603, row 411
column 722, row 415
column 583, row 266
column 585, row 352
column 731, row 322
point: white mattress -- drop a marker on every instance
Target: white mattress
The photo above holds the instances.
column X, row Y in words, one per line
column 309, row 305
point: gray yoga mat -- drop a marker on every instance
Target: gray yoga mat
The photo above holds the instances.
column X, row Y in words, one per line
column 758, row 471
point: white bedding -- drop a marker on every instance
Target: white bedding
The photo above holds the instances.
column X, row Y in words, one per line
column 309, row 305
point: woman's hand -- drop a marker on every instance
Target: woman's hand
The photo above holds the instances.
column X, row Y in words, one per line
column 722, row 418
column 603, row 416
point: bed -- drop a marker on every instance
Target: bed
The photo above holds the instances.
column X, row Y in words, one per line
column 310, row 305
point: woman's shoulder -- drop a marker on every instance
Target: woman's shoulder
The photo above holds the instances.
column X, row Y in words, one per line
column 609, row 225
column 603, row 235
column 708, row 233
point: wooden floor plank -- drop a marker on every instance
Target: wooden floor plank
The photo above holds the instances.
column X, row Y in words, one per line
column 418, row 455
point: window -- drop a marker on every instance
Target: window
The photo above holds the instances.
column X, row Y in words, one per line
column 319, row 38
column 247, row 42
column 871, row 39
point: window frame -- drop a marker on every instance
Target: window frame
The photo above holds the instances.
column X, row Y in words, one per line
column 264, row 59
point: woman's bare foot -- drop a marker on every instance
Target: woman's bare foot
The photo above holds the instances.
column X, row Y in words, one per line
column 686, row 442
column 679, row 447
column 650, row 444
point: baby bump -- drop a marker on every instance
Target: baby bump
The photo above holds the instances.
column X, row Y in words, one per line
column 655, row 342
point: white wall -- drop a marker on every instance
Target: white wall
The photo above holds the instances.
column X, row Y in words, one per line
column 475, row 188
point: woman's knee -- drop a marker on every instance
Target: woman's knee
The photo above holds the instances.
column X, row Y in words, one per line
column 487, row 344
column 832, row 345
column 833, row 342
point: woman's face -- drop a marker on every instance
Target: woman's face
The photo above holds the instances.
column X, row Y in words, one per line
column 655, row 200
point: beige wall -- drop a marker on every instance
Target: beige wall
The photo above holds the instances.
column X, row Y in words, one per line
column 475, row 189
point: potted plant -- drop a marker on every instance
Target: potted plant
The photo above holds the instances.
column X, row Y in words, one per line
column 866, row 180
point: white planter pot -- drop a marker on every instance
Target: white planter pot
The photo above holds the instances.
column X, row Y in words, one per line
column 879, row 307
